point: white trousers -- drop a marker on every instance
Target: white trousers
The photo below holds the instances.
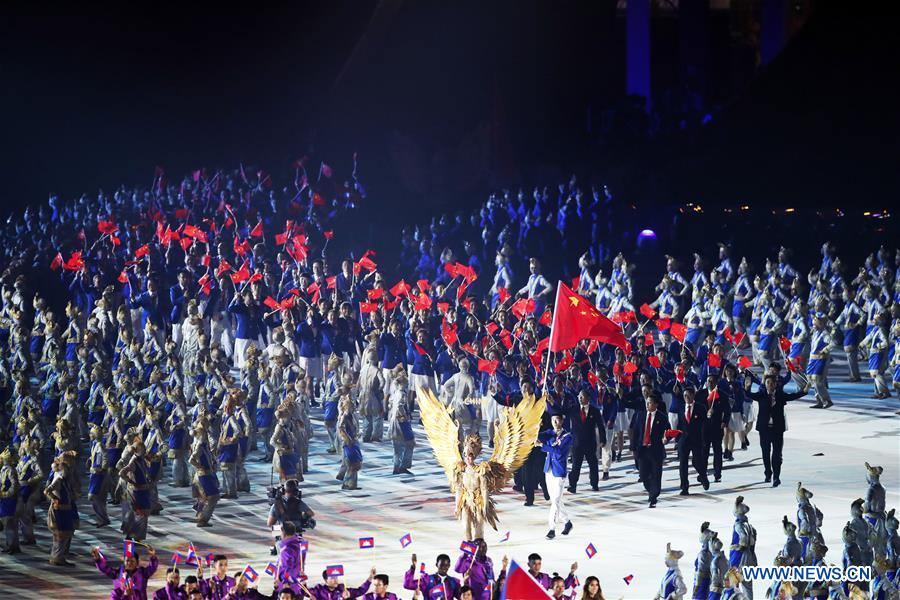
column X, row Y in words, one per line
column 555, row 487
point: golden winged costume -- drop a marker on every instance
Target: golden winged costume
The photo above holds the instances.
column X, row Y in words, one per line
column 473, row 483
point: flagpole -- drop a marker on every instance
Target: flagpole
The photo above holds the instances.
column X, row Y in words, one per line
column 552, row 324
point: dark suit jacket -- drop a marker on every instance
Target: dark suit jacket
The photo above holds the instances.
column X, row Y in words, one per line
column 692, row 433
column 586, row 433
column 657, row 434
column 772, row 411
column 721, row 411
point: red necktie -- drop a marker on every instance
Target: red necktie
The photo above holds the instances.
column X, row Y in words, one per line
column 690, row 410
column 647, row 429
column 583, row 415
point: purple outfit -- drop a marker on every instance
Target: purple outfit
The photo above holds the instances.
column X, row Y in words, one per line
column 481, row 575
column 215, row 588
column 323, row 592
column 290, row 564
column 171, row 592
column 374, row 596
column 137, row 579
column 547, row 582
column 429, row 582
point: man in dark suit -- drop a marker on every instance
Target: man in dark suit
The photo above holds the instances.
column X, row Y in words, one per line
column 690, row 441
column 770, row 422
column 718, row 413
column 648, row 430
column 587, row 428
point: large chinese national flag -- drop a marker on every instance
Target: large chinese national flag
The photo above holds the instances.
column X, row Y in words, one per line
column 576, row 319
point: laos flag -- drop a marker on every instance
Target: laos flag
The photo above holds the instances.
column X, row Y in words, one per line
column 520, row 585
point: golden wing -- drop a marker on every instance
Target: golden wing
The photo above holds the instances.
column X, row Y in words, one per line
column 442, row 432
column 514, row 438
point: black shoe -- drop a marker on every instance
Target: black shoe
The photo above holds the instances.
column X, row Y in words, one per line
column 705, row 484
column 529, row 503
column 768, row 479
column 684, row 493
column 567, row 528
column 605, row 476
column 829, row 404
column 396, row 471
column 571, row 489
column 517, row 488
column 717, row 480
column 776, row 483
column 551, row 534
column 406, row 471
column 546, row 496
column 595, row 488
column 653, row 504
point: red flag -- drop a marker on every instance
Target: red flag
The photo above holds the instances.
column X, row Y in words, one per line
column 744, row 362
column 318, row 200
column 574, row 319
column 714, row 360
column 505, row 338
column 223, row 267
column 647, row 311
column 313, row 290
column 663, row 324
column 375, row 293
column 421, row 350
column 257, row 230
column 366, row 263
column 451, row 269
column 739, row 337
column 546, row 318
column 727, row 334
column 281, row 239
column 107, row 227
column 422, row 284
column 592, row 346
column 491, row 328
column 654, row 362
column 461, row 291
column 523, row 306
column 648, row 339
column 123, row 277
column 630, row 367
column 565, row 363
column 449, row 334
column 142, row 251
column 331, row 281
column 181, row 213
column 326, row 171
column 576, row 282
column 328, row 234
column 401, row 289
column 467, row 304
column 469, row 348
column 271, row 303
column 116, row 242
column 186, row 243
column 422, row 302
column 443, row 307
column 57, row 262
column 367, row 307
column 785, row 344
column 592, row 378
column 678, row 331
column 488, row 366
column 503, row 294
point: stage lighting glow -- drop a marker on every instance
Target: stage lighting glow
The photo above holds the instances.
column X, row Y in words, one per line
column 647, row 234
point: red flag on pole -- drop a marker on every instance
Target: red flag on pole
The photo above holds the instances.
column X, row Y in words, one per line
column 257, row 230
column 575, row 319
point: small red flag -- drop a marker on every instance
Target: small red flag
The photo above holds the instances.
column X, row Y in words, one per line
column 630, row 367
column 546, row 318
column 714, row 360
column 368, row 307
column 375, row 293
column 488, row 366
column 422, row 284
column 654, row 362
column 328, row 234
column 678, row 331
column 663, row 324
column 647, row 311
column 443, row 307
column 491, row 328
column 744, row 362
column 648, row 339
column 785, row 344
column 739, row 337
column 331, row 282
column 503, row 294
column 401, row 288
column 257, row 230
column 142, row 251
column 123, row 277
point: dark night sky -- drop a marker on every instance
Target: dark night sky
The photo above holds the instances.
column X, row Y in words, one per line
column 98, row 94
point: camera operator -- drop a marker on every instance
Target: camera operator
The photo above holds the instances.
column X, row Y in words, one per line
column 287, row 505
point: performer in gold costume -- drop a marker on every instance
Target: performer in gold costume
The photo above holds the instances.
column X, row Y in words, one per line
column 474, row 482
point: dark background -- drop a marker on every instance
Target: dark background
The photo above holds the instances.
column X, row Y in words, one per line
column 444, row 101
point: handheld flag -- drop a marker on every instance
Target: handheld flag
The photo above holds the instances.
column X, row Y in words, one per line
column 627, row 579
column 250, row 573
column 177, row 558
column 575, row 319
column 745, row 362
column 505, row 538
column 270, row 569
column 209, row 558
column 366, row 542
column 406, row 540
column 334, row 571
column 520, row 585
column 468, row 547
column 590, row 551
column 129, row 548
